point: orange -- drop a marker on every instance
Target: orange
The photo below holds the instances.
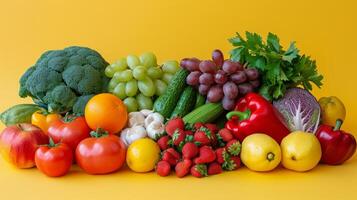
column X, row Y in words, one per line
column 106, row 111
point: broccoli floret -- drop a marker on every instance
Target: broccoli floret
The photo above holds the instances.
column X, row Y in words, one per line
column 83, row 79
column 41, row 81
column 81, row 103
column 23, row 91
column 60, row 78
column 59, row 97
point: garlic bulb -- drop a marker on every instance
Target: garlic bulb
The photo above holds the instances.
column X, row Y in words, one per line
column 136, row 119
column 129, row 135
column 146, row 112
column 153, row 117
column 155, row 129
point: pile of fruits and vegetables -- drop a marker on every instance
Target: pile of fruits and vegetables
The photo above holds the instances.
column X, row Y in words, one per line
column 194, row 117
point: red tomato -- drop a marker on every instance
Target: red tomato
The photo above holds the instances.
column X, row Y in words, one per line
column 54, row 160
column 69, row 130
column 101, row 155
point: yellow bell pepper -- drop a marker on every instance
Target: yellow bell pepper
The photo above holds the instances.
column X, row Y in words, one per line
column 43, row 120
column 332, row 109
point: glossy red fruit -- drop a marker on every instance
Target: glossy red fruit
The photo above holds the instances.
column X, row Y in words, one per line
column 220, row 154
column 55, row 159
column 163, row 142
column 101, row 154
column 183, row 168
column 173, row 124
column 70, row 130
column 18, row 144
column 214, row 168
column 171, row 156
column 206, row 155
column 199, row 170
column 178, row 137
column 233, row 147
column 189, row 150
column 163, row 168
column 225, row 134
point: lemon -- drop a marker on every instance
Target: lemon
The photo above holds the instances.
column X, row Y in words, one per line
column 142, row 155
column 260, row 152
column 301, row 151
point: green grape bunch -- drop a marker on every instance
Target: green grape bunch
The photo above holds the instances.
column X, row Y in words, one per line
column 139, row 80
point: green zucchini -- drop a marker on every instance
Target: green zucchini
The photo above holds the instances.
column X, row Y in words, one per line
column 19, row 114
column 166, row 103
column 186, row 102
column 205, row 113
column 200, row 100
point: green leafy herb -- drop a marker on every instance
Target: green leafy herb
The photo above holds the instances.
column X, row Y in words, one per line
column 279, row 69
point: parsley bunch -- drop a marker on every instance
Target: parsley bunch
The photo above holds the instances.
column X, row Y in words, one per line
column 279, row 69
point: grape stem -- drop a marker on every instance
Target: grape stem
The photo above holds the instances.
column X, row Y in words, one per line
column 245, row 65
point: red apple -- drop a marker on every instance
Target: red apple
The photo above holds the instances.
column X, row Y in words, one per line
column 18, row 144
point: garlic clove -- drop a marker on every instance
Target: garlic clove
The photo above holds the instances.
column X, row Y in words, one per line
column 146, row 112
column 136, row 119
column 153, row 117
column 123, row 136
column 136, row 132
column 155, row 129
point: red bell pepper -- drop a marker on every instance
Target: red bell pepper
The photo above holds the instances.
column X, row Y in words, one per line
column 337, row 146
column 254, row 114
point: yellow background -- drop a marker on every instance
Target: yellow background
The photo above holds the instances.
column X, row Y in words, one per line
column 326, row 30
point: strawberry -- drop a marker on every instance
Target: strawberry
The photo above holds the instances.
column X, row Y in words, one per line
column 233, row 147
column 197, row 125
column 236, row 160
column 189, row 150
column 225, row 134
column 173, row 124
column 207, row 155
column 214, row 168
column 163, row 142
column 199, row 170
column 212, row 127
column 220, row 152
column 203, row 136
column 183, row 168
column 231, row 162
column 189, row 132
column 174, row 153
column 171, row 156
column 163, row 168
column 178, row 137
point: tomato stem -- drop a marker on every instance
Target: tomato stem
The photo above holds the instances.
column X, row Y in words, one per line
column 69, row 117
column 51, row 143
column 99, row 133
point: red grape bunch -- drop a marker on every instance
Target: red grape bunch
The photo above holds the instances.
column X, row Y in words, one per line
column 219, row 79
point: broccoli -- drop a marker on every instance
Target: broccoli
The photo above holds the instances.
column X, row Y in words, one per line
column 81, row 103
column 64, row 80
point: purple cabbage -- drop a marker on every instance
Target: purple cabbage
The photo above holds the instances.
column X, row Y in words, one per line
column 300, row 110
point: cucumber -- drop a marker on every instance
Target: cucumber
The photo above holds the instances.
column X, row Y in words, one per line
column 19, row 114
column 166, row 103
column 204, row 114
column 186, row 102
column 200, row 100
